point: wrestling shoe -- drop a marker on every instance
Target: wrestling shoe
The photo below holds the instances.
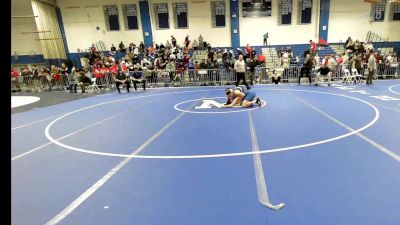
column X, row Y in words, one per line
column 258, row 102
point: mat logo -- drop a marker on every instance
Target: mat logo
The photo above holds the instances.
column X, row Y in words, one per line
column 208, row 104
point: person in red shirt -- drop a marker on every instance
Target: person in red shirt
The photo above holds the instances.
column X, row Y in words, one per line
column 97, row 73
column 124, row 67
column 313, row 48
column 14, row 73
column 340, row 59
column 261, row 58
column 113, row 69
column 248, row 50
column 14, row 79
column 104, row 70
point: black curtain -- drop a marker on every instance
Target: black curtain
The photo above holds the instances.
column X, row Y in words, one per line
column 132, row 22
column 163, row 20
column 182, row 20
column 114, row 23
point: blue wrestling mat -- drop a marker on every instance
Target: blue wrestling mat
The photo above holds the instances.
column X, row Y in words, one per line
column 308, row 156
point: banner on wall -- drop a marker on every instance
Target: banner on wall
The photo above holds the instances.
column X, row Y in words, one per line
column 131, row 10
column 218, row 13
column 286, row 12
column 306, row 11
column 378, row 13
column 256, row 8
column 161, row 10
column 181, row 15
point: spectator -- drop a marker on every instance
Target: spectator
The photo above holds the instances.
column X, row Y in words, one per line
column 187, row 41
column 253, row 52
column 313, row 47
column 113, row 49
column 72, row 83
column 248, row 50
column 93, row 49
column 122, row 47
column 83, row 80
column 14, row 79
column 251, row 65
column 195, row 45
column 168, row 45
column 265, row 41
column 371, row 66
column 173, row 41
column 137, row 77
column 121, row 79
column 201, row 44
column 36, row 79
column 276, row 77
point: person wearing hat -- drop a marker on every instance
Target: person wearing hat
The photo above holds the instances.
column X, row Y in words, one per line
column 238, row 95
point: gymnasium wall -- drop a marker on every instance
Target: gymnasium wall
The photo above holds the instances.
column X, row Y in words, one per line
column 199, row 22
column 82, row 17
column 23, row 44
column 253, row 29
column 80, row 24
column 352, row 18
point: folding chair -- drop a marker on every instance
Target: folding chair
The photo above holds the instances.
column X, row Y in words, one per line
column 348, row 77
column 358, row 77
column 93, row 86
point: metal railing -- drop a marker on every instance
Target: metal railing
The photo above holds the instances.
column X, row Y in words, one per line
column 192, row 77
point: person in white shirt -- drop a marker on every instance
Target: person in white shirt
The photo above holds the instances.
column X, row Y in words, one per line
column 240, row 68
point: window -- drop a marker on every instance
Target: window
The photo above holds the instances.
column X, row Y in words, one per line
column 256, row 8
column 285, row 12
column 305, row 11
column 161, row 15
column 218, row 14
column 180, row 15
column 111, row 15
column 130, row 17
column 378, row 11
column 395, row 12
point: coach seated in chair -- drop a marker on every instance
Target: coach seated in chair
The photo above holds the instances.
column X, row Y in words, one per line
column 276, row 75
column 83, row 80
column 324, row 71
column 121, row 78
column 137, row 77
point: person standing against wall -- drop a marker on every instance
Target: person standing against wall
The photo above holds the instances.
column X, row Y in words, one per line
column 266, row 39
column 173, row 41
column 201, row 43
column 240, row 68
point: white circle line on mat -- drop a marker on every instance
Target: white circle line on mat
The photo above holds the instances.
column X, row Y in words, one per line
column 47, row 133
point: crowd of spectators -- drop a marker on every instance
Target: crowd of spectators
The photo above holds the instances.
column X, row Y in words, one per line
column 172, row 60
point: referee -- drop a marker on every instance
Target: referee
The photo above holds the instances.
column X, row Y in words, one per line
column 240, row 68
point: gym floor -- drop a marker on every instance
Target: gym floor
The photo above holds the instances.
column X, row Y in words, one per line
column 323, row 155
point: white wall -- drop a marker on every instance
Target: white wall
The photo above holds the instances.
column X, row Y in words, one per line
column 80, row 24
column 199, row 22
column 253, row 29
column 23, row 44
column 352, row 19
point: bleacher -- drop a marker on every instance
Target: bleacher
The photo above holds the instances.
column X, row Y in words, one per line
column 298, row 50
